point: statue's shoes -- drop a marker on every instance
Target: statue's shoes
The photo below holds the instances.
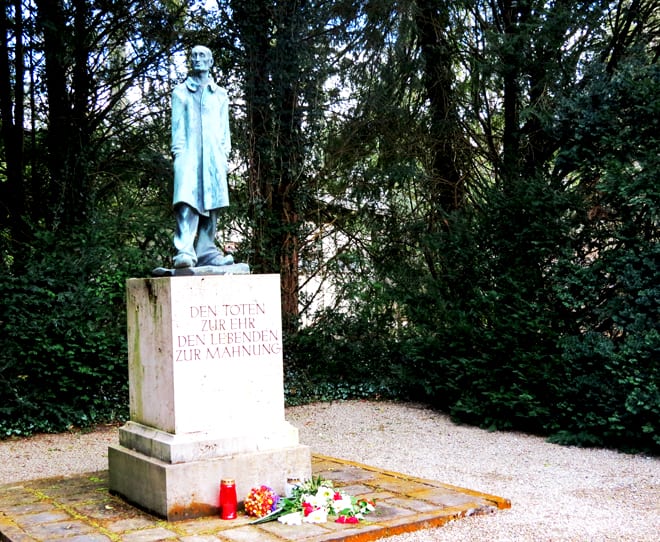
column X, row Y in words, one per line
column 181, row 261
column 217, row 261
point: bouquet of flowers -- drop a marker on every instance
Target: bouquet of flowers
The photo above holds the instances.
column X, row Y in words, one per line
column 314, row 501
column 261, row 501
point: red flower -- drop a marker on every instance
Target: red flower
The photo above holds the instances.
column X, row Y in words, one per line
column 337, row 496
column 307, row 509
column 347, row 519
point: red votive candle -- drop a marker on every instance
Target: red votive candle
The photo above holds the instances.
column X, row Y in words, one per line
column 228, row 503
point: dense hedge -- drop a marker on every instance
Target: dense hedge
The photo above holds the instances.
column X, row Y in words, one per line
column 62, row 361
column 63, row 316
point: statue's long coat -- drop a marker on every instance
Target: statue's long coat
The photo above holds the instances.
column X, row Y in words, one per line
column 200, row 145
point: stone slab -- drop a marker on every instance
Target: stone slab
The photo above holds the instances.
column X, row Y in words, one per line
column 181, row 448
column 403, row 508
column 233, row 269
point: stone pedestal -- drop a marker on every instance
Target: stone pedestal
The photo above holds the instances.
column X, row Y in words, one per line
column 206, row 394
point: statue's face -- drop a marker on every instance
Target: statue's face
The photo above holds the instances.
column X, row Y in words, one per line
column 201, row 60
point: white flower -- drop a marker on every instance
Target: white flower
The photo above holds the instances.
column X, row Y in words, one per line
column 317, row 516
column 325, row 492
column 294, row 518
column 344, row 503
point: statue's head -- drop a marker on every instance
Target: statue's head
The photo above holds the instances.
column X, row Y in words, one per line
column 201, row 58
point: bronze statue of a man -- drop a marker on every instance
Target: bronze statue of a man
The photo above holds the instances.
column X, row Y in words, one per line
column 200, row 146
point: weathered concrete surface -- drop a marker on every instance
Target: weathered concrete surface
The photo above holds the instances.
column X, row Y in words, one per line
column 80, row 508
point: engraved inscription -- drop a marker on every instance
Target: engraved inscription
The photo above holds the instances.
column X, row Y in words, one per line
column 227, row 331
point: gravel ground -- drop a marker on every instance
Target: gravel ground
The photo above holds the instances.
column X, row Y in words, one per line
column 557, row 493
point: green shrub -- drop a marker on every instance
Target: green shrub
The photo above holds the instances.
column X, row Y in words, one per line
column 342, row 356
column 63, row 356
column 544, row 313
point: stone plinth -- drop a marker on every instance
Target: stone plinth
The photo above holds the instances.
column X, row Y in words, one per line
column 206, row 394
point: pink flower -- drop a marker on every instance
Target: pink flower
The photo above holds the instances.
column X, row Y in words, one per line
column 347, row 519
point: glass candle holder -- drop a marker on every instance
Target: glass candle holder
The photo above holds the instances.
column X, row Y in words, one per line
column 291, row 484
column 228, row 502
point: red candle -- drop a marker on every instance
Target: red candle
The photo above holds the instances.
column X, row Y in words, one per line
column 228, row 502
